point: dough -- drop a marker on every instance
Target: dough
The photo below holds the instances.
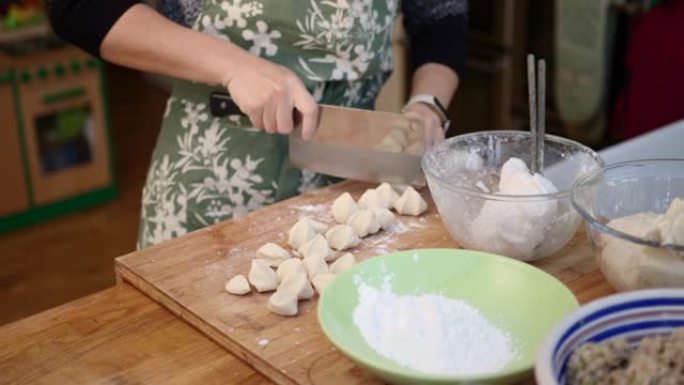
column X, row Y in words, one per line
column 342, row 237
column 343, row 207
column 262, row 277
column 283, row 303
column 343, row 263
column 671, row 225
column 386, row 195
column 273, row 254
column 319, row 227
column 320, row 282
column 384, row 216
column 298, row 284
column 410, row 203
column 314, row 266
column 238, row 285
column 395, row 141
column 303, row 231
column 318, row 247
column 364, row 223
column 370, row 198
column 290, row 267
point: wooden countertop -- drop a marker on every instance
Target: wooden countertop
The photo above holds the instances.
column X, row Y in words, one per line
column 116, row 336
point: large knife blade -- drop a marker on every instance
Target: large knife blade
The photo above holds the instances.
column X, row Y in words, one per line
column 351, row 143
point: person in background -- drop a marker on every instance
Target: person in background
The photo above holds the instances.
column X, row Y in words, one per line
column 275, row 58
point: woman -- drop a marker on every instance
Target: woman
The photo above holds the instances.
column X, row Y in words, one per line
column 274, row 57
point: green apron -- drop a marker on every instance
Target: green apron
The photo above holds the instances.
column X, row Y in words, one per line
column 204, row 169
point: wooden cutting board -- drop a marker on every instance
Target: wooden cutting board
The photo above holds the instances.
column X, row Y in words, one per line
column 187, row 276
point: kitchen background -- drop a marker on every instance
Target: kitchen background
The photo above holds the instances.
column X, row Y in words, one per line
column 76, row 134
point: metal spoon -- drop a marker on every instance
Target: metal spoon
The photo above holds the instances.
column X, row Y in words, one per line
column 537, row 102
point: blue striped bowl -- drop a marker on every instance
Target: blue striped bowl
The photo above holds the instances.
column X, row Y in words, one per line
column 634, row 315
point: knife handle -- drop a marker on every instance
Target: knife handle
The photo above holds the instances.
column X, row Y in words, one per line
column 222, row 105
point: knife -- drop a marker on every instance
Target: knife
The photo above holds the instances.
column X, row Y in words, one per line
column 371, row 146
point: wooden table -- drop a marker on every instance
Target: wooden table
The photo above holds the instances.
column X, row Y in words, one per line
column 120, row 336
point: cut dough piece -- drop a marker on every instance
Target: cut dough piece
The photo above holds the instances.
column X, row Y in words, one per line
column 302, row 232
column 364, row 223
column 319, row 227
column 395, row 141
column 370, row 198
column 319, row 247
column 342, row 237
column 299, row 284
column 273, row 254
column 320, row 282
column 410, row 203
column 343, row 263
column 283, row 302
column 343, row 207
column 386, row 195
column 289, row 268
column 384, row 216
column 314, row 266
column 262, row 277
column 238, row 285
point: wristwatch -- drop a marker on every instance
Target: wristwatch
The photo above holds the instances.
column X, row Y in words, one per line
column 434, row 103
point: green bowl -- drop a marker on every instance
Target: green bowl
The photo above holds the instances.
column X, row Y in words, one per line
column 514, row 296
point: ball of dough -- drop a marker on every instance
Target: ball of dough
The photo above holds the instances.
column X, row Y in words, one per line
column 302, row 232
column 283, row 303
column 238, row 285
column 364, row 223
column 384, row 216
column 319, row 247
column 342, row 237
column 386, row 195
column 262, row 277
column 370, row 198
column 343, row 263
column 343, row 207
column 273, row 254
column 320, row 282
column 314, row 266
column 410, row 203
column 298, row 284
column 290, row 267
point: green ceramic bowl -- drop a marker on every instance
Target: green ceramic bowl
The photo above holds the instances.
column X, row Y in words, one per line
column 513, row 295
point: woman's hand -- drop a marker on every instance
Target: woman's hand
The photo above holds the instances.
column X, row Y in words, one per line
column 430, row 121
column 269, row 94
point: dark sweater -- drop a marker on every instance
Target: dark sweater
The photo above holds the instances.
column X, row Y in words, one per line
column 436, row 29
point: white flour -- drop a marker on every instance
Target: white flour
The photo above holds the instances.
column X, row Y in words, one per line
column 431, row 333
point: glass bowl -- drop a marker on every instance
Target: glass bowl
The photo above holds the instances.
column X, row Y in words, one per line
column 623, row 206
column 463, row 174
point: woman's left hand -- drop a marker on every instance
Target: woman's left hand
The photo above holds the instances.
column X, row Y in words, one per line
column 429, row 119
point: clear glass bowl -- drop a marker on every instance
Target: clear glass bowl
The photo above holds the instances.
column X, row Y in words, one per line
column 463, row 173
column 621, row 205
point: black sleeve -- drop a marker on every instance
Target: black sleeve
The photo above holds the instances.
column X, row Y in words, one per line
column 437, row 32
column 85, row 23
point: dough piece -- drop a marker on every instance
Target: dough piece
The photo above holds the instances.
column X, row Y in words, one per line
column 319, row 227
column 384, row 216
column 289, row 268
column 273, row 254
column 410, row 203
column 238, row 285
column 314, row 266
column 302, row 232
column 370, row 198
column 262, row 277
column 299, row 284
column 343, row 207
column 342, row 237
column 320, row 282
column 283, row 302
column 364, row 223
column 319, row 247
column 343, row 263
column 386, row 195
column 395, row 141
column 671, row 224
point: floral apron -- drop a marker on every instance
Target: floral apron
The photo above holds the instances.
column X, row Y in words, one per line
column 205, row 169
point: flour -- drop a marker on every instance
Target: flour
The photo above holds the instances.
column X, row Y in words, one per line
column 430, row 333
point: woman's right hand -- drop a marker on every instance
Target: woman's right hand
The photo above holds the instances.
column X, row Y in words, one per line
column 269, row 94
